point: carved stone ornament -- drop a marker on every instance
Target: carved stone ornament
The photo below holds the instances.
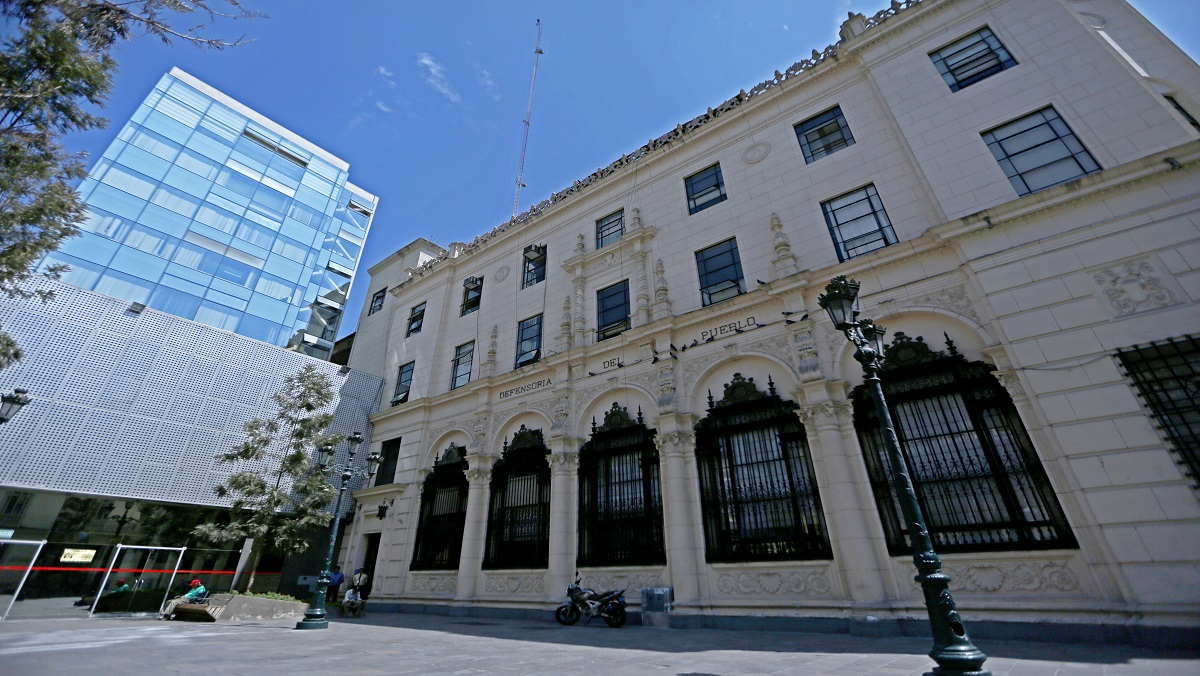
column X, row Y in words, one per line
column 660, row 282
column 564, row 462
column 479, row 476
column 675, row 443
column 1132, row 287
column 756, row 153
column 784, row 261
column 433, row 584
column 501, row 274
column 826, row 414
column 515, row 584
column 798, row 582
column 632, row 581
column 955, row 299
column 1010, row 381
column 1032, row 576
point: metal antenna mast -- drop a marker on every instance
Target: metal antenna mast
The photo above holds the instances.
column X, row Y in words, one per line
column 537, row 52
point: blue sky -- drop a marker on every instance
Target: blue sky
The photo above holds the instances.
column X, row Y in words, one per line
column 425, row 99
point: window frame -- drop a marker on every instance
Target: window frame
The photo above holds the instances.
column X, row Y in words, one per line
column 377, row 301
column 403, row 383
column 883, row 226
column 995, row 49
column 518, row 531
column 702, row 271
column 1162, row 372
column 416, row 314
column 472, row 296
column 533, row 268
column 759, row 494
column 463, row 354
column 609, row 230
column 690, row 187
column 526, row 354
column 977, row 477
column 815, row 124
column 438, row 541
column 615, row 327
column 1063, row 135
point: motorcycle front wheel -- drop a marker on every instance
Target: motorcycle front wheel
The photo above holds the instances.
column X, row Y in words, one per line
column 615, row 617
column 567, row 614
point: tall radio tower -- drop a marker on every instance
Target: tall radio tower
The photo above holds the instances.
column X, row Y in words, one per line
column 537, row 52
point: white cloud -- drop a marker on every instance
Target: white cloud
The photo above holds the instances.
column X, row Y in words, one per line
column 387, row 75
column 383, row 107
column 785, row 26
column 485, row 79
column 435, row 76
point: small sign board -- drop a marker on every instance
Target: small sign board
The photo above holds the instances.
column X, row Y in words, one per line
column 77, row 556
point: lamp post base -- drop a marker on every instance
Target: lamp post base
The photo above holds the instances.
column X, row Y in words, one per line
column 313, row 622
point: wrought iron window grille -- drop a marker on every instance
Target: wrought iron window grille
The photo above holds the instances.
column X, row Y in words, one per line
column 620, row 497
column 759, row 497
column 976, row 475
column 443, row 513
column 518, row 533
column 1167, row 376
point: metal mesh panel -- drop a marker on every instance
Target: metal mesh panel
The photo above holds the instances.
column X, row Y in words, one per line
column 1167, row 376
column 138, row 404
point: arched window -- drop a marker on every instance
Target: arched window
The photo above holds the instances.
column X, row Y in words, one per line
column 757, row 491
column 977, row 478
column 443, row 513
column 620, row 503
column 519, row 517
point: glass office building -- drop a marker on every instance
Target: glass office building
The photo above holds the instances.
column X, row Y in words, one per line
column 207, row 210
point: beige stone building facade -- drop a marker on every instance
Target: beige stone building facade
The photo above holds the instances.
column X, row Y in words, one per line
column 634, row 379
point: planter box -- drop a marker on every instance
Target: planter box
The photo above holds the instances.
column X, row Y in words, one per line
column 225, row 607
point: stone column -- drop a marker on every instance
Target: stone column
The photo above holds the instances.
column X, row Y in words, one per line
column 676, row 443
column 855, row 531
column 479, row 477
column 564, row 514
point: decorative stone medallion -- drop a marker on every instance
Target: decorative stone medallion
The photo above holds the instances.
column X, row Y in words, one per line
column 756, row 153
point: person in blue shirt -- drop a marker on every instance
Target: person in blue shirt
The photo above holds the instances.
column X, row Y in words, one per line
column 336, row 578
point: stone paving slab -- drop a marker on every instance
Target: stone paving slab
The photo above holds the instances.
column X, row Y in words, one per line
column 427, row 644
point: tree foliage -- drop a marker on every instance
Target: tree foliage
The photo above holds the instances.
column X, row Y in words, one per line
column 55, row 68
column 281, row 495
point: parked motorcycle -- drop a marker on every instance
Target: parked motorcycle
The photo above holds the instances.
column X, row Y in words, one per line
column 586, row 602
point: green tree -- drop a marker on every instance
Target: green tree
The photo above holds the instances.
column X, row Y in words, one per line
column 56, row 67
column 281, row 495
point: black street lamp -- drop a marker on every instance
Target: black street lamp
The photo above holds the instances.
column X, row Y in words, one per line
column 952, row 648
column 315, row 616
column 11, row 404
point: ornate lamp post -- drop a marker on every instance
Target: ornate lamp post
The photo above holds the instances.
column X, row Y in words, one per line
column 10, row 404
column 952, row 648
column 314, row 617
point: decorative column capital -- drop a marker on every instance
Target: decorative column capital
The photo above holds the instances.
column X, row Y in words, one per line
column 479, row 477
column 825, row 414
column 675, row 443
column 1011, row 382
column 564, row 463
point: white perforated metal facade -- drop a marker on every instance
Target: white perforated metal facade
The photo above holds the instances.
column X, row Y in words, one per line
column 138, row 404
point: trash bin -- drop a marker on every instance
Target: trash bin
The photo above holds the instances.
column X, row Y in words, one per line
column 656, row 606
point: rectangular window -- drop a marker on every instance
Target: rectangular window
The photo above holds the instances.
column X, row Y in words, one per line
column 858, row 223
column 824, row 134
column 971, row 59
column 472, row 292
column 377, row 302
column 534, row 259
column 612, row 310
column 720, row 270
column 1182, row 111
column 1039, row 151
column 704, row 189
column 529, row 341
column 1167, row 375
column 403, row 383
column 389, row 454
column 416, row 317
column 460, row 368
column 610, row 228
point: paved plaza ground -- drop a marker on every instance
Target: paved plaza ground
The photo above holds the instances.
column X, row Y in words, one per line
column 385, row 643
